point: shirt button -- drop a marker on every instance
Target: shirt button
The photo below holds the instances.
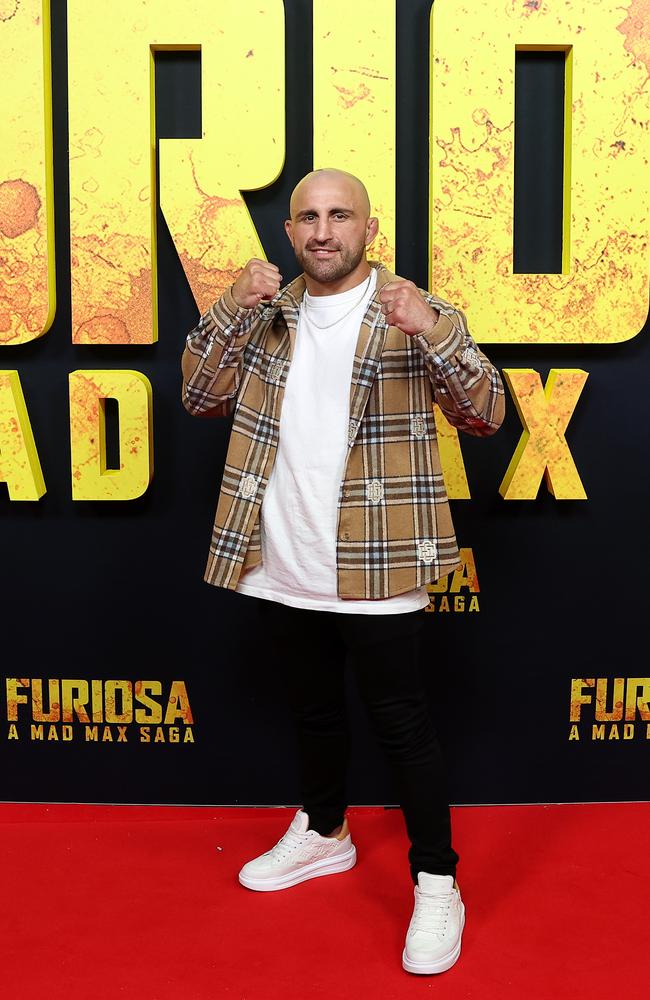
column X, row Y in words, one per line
column 248, row 486
column 346, row 536
column 375, row 491
column 346, row 493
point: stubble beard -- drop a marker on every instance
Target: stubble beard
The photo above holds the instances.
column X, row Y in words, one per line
column 325, row 270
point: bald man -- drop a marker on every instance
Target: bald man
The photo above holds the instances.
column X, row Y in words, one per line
column 333, row 517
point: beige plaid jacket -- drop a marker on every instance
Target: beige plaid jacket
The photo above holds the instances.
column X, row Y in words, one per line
column 395, row 530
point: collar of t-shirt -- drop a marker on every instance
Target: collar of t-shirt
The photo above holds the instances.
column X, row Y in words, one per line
column 326, row 308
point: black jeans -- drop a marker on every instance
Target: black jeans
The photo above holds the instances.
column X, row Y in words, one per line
column 311, row 648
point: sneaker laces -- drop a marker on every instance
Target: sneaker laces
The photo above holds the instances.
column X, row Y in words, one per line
column 431, row 913
column 287, row 843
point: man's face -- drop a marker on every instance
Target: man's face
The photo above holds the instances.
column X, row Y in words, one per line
column 329, row 227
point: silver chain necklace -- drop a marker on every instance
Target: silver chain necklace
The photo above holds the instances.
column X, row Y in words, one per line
column 326, row 326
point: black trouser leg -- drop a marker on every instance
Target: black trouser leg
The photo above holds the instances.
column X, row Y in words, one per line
column 311, row 648
column 311, row 657
column 385, row 659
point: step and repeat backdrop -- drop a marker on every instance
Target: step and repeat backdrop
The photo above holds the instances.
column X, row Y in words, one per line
column 147, row 151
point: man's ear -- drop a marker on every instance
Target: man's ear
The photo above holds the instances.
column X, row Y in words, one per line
column 288, row 228
column 372, row 228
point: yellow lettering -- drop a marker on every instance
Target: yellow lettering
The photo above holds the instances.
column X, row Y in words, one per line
column 601, row 713
column 355, row 102
column 465, row 575
column 74, row 698
column 91, row 479
column 28, row 288
column 20, row 467
column 97, row 700
column 637, row 696
column 154, row 714
column 111, row 711
column 38, row 714
column 178, row 705
column 14, row 699
column 578, row 699
column 542, row 449
column 439, row 586
column 451, row 458
column 601, row 294
column 113, row 144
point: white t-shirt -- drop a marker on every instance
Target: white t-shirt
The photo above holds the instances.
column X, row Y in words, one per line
column 299, row 514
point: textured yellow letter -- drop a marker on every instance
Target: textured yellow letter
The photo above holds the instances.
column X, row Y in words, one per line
column 19, row 464
column 27, row 289
column 113, row 148
column 542, row 448
column 601, row 295
column 91, row 480
column 354, row 102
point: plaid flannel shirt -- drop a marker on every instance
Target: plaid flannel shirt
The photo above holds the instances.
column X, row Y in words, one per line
column 395, row 531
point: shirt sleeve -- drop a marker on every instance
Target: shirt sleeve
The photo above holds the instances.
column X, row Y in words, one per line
column 212, row 360
column 467, row 386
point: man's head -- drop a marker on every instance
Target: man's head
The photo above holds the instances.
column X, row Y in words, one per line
column 330, row 226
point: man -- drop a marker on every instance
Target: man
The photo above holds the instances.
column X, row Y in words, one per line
column 333, row 515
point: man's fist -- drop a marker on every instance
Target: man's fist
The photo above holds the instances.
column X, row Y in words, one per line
column 404, row 307
column 259, row 280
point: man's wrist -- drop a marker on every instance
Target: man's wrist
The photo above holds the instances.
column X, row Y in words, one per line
column 441, row 340
column 237, row 303
column 433, row 330
column 231, row 304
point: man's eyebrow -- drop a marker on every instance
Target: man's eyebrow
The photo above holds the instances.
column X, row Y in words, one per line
column 332, row 211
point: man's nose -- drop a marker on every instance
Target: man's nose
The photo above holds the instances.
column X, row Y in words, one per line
column 323, row 230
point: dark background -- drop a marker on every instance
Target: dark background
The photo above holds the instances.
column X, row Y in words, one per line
column 115, row 589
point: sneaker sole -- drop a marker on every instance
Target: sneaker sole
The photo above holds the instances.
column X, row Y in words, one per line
column 327, row 866
column 441, row 964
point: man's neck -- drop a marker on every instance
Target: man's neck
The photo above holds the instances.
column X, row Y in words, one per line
column 355, row 277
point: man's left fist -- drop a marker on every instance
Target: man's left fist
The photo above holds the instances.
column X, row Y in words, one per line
column 404, row 307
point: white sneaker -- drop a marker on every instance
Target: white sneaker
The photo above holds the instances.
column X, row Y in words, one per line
column 300, row 854
column 434, row 934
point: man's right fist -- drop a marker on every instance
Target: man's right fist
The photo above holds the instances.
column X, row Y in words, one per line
column 259, row 280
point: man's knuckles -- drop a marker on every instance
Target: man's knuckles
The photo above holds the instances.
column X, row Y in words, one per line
column 262, row 268
column 396, row 288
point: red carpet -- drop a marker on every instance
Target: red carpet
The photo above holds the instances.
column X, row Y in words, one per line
column 143, row 902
